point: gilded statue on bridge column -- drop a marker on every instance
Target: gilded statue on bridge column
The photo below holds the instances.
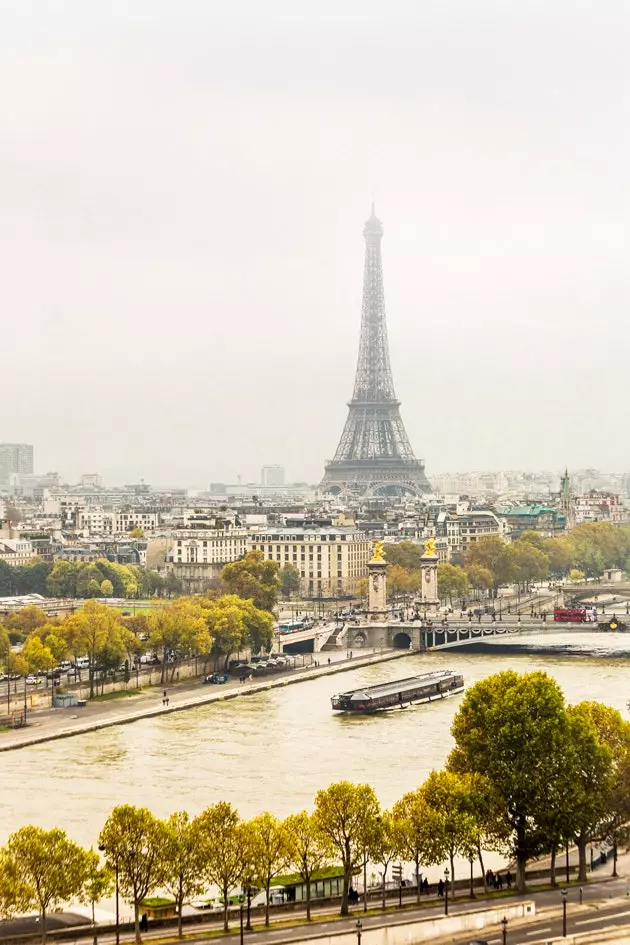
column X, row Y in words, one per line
column 429, row 548
column 379, row 554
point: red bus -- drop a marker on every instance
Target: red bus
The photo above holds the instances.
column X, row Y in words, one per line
column 569, row 614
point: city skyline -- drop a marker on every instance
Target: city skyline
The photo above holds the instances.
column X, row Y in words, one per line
column 143, row 256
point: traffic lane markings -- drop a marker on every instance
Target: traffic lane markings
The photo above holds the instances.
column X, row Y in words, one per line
column 606, row 916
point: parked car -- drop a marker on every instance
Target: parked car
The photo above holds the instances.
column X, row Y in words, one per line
column 32, row 681
column 217, row 678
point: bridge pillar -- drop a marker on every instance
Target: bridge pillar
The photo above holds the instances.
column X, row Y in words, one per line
column 377, row 590
column 429, row 599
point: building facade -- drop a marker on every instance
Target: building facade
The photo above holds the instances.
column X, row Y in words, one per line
column 95, row 521
column 272, row 476
column 195, row 556
column 330, row 561
column 16, row 551
column 15, row 459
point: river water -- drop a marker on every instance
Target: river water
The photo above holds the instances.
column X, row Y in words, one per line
column 274, row 750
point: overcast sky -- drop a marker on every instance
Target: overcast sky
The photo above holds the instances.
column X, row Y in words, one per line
column 183, row 185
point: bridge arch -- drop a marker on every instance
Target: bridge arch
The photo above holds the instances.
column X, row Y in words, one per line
column 359, row 638
column 401, row 641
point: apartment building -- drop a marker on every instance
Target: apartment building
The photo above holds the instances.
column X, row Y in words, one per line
column 95, row 521
column 330, row 560
column 17, row 551
column 195, row 556
column 15, row 459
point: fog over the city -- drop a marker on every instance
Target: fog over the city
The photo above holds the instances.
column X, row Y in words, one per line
column 183, row 189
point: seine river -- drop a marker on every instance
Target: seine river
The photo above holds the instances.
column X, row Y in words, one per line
column 273, row 750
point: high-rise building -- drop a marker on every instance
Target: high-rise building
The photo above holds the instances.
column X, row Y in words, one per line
column 374, row 456
column 272, row 476
column 15, row 458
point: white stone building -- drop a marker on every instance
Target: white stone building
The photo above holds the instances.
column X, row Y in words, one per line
column 196, row 556
column 16, row 551
column 330, row 561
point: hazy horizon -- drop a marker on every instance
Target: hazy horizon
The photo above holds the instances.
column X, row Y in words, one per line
column 184, row 189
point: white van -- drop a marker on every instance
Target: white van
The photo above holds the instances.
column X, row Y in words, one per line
column 82, row 662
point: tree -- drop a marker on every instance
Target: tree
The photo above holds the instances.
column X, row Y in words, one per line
column 289, row 581
column 558, row 552
column 446, row 795
column 452, row 582
column 98, row 881
column 269, row 850
column 177, row 630
column 511, row 728
column 489, row 828
column 134, row 841
column 309, row 851
column 254, row 579
column 361, row 588
column 89, row 580
column 494, row 555
column 223, row 848
column 182, row 862
column 107, row 588
column 601, row 801
column 38, row 656
column 384, row 846
column 344, row 813
column 46, row 867
column 404, row 554
column 533, row 538
column 416, row 829
column 576, row 577
column 27, row 619
column 530, row 564
column 401, row 581
column 235, row 624
column 480, row 579
column 91, row 630
column 10, row 887
column 136, row 533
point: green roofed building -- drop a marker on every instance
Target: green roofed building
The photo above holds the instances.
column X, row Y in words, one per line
column 538, row 518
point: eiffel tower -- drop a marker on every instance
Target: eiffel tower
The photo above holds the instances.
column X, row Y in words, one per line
column 374, row 456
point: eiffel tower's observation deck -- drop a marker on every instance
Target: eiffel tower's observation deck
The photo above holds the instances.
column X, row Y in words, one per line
column 374, row 455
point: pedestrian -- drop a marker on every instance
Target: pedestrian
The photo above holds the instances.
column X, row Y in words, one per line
column 508, row 879
column 164, row 697
column 425, row 885
column 441, row 888
column 329, row 660
column 167, row 700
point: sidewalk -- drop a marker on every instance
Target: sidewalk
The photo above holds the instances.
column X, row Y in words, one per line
column 50, row 724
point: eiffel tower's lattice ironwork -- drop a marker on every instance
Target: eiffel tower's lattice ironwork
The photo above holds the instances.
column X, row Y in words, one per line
column 374, row 455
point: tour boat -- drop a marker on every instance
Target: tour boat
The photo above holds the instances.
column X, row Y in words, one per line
column 400, row 693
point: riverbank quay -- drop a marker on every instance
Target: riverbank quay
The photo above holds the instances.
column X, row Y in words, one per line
column 288, row 922
column 51, row 724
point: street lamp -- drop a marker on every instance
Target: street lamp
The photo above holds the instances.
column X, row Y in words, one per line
column 358, row 927
column 504, row 925
column 446, row 875
column 565, row 893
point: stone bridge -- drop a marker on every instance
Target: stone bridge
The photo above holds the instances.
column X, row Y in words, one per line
column 454, row 634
